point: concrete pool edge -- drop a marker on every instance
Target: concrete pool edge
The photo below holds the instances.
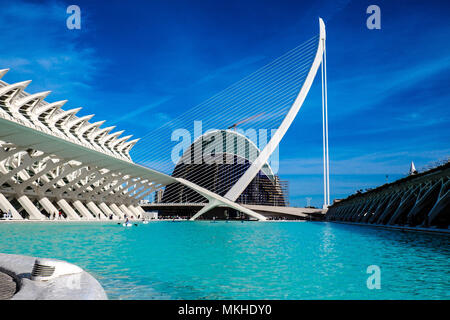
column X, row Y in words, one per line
column 79, row 286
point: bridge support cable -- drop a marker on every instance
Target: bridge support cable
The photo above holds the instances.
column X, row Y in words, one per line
column 326, row 158
column 264, row 155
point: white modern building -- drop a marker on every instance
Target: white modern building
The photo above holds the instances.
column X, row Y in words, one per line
column 52, row 160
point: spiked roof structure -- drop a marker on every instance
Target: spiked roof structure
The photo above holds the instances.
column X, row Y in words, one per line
column 34, row 111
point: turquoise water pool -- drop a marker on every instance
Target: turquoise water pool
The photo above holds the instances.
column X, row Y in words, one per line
column 276, row 260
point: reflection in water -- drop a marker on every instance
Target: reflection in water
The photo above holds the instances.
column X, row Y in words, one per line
column 276, row 260
column 328, row 239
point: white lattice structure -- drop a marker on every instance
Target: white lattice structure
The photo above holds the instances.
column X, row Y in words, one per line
column 52, row 160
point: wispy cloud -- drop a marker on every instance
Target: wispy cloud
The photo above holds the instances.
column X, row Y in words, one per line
column 38, row 45
column 229, row 68
column 370, row 88
column 385, row 162
column 135, row 113
column 177, row 94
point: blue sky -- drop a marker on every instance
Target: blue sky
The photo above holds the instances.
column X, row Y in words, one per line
column 138, row 63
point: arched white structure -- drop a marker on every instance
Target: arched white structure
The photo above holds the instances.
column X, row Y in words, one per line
column 253, row 150
column 264, row 155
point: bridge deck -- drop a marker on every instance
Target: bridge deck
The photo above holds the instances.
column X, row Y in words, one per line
column 265, row 210
column 293, row 211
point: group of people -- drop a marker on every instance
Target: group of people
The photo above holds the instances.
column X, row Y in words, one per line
column 54, row 216
column 57, row 215
column 276, row 218
column 173, row 218
column 132, row 217
column 6, row 215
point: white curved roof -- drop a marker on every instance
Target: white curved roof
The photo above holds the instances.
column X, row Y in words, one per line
column 250, row 153
column 34, row 111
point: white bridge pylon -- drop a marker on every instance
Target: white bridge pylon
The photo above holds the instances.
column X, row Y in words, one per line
column 264, row 155
column 326, row 158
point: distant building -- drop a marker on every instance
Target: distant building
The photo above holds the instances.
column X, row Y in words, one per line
column 418, row 200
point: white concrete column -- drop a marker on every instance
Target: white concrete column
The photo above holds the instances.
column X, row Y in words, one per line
column 6, row 207
column 92, row 206
column 116, row 210
column 83, row 210
column 29, row 207
column 49, row 207
column 106, row 210
column 139, row 208
column 127, row 211
column 71, row 214
column 135, row 211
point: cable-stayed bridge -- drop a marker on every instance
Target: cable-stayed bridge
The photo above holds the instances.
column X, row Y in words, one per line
column 52, row 161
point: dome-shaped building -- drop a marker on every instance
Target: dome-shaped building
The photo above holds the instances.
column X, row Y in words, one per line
column 216, row 161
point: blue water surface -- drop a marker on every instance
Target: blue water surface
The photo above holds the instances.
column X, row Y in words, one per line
column 251, row 260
